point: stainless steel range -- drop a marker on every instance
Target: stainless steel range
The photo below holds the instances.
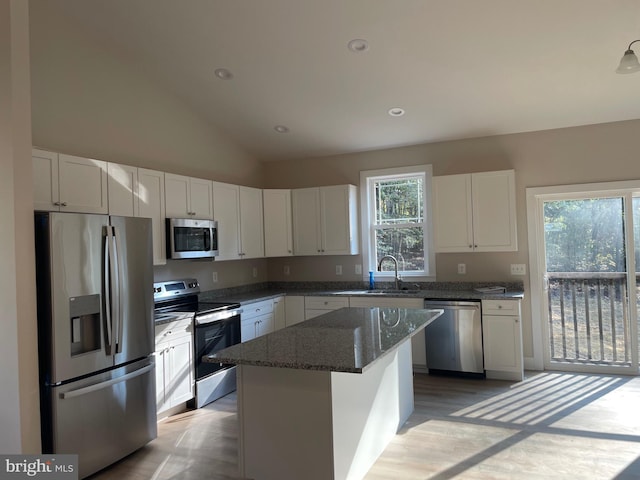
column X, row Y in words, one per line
column 216, row 326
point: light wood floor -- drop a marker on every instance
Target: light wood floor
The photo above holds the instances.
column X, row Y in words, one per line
column 551, row 426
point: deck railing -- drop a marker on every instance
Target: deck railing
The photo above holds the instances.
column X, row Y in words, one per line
column 589, row 318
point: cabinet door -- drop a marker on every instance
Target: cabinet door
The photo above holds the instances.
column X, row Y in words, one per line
column 46, row 195
column 83, row 184
column 293, row 310
column 151, row 205
column 494, row 211
column 306, row 221
column 122, row 184
column 279, row 313
column 251, row 223
column 338, row 220
column 453, row 229
column 264, row 324
column 226, row 211
column 162, row 350
column 201, row 198
column 278, row 233
column 179, row 386
column 176, row 196
column 502, row 340
column 247, row 329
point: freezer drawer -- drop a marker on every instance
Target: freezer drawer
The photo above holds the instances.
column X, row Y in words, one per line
column 104, row 417
column 454, row 340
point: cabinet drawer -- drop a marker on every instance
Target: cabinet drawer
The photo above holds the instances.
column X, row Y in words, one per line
column 325, row 303
column 500, row 307
column 173, row 329
column 255, row 309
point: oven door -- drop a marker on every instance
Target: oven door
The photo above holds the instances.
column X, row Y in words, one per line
column 213, row 335
column 190, row 238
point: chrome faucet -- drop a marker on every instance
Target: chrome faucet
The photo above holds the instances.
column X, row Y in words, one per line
column 395, row 264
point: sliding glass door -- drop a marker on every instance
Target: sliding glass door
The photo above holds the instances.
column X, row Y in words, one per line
column 587, row 259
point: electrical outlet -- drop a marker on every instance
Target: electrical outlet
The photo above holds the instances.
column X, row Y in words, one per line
column 286, row 270
column 338, row 269
column 255, row 272
column 358, row 270
column 518, row 269
column 214, row 277
column 462, row 268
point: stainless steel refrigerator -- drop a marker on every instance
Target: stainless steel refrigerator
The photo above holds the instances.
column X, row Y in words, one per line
column 95, row 336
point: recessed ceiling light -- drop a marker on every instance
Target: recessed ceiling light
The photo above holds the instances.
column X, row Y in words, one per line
column 223, row 74
column 281, row 129
column 396, row 112
column 358, row 45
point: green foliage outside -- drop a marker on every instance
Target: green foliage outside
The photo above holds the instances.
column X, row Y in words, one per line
column 399, row 222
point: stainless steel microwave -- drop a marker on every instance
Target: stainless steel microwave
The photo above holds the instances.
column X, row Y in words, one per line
column 191, row 238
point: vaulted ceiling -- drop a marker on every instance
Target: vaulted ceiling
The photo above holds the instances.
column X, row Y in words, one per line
column 458, row 68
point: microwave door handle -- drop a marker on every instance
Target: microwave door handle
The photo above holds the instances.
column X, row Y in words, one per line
column 207, row 240
column 117, row 260
column 107, row 288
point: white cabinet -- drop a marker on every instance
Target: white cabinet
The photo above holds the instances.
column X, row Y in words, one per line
column 68, row 183
column 279, row 313
column 138, row 192
column 325, row 220
column 278, row 226
column 502, row 339
column 315, row 306
column 475, row 212
column 293, row 309
column 122, row 185
column 151, row 205
column 257, row 320
column 238, row 211
column 418, row 350
column 188, row 197
column 174, row 364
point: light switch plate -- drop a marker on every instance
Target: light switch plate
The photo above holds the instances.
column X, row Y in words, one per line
column 214, row 277
column 462, row 268
column 338, row 269
column 358, row 270
column 518, row 269
column 286, row 270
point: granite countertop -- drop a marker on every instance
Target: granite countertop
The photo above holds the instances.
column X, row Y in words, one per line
column 345, row 340
column 441, row 293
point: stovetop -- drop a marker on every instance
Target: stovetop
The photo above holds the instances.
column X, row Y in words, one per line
column 182, row 296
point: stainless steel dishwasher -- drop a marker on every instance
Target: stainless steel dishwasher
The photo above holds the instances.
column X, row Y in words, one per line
column 454, row 340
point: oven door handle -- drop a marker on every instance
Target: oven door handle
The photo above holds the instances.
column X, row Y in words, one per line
column 217, row 316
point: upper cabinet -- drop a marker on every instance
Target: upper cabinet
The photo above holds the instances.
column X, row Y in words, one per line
column 325, row 220
column 475, row 212
column 278, row 227
column 138, row 192
column 122, row 187
column 68, row 183
column 238, row 211
column 188, row 197
column 151, row 204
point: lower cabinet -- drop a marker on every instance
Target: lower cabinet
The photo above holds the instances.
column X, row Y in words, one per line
column 293, row 309
column 174, row 364
column 316, row 306
column 257, row 320
column 279, row 313
column 502, row 339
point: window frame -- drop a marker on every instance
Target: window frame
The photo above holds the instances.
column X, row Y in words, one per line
column 368, row 229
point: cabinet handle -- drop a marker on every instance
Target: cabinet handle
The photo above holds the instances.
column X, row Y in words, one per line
column 63, row 204
column 470, row 246
column 57, row 204
column 475, row 246
column 499, row 307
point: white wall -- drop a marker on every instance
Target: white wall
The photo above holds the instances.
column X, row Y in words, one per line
column 19, row 408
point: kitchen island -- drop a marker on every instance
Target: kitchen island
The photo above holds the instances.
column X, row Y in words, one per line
column 322, row 399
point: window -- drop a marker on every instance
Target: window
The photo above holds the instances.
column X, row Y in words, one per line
column 396, row 221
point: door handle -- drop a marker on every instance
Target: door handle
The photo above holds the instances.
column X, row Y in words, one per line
column 108, row 383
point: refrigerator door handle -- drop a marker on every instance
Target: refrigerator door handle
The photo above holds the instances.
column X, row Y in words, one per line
column 117, row 289
column 99, row 386
column 107, row 288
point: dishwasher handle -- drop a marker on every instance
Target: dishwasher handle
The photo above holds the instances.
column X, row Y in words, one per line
column 452, row 305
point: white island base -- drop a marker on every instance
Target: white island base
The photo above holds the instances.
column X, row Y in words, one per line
column 309, row 424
